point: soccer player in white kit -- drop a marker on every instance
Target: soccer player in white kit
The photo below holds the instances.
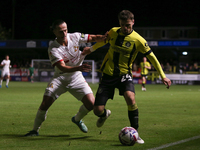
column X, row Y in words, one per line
column 67, row 59
column 5, row 71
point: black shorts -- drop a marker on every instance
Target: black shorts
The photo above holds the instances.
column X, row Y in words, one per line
column 108, row 84
column 144, row 75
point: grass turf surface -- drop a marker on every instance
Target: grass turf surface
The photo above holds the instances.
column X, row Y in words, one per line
column 166, row 116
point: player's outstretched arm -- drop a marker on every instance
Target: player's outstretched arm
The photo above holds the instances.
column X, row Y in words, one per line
column 88, row 50
column 84, row 67
column 98, row 38
column 158, row 67
column 101, row 40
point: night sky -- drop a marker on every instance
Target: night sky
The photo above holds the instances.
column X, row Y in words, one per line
column 33, row 18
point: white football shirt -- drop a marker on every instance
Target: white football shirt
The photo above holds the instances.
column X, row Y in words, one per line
column 70, row 54
column 6, row 64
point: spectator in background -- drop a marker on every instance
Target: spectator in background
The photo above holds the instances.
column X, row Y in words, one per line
column 162, row 66
column 27, row 65
column 196, row 68
column 187, row 67
column 191, row 68
column 15, row 65
column 168, row 67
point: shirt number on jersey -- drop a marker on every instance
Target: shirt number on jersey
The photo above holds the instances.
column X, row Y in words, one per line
column 126, row 77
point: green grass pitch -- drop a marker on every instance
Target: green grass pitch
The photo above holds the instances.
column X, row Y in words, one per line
column 166, row 116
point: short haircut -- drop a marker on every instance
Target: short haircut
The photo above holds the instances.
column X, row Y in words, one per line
column 56, row 23
column 125, row 15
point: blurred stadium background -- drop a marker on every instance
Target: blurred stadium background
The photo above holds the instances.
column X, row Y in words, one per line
column 175, row 48
column 24, row 35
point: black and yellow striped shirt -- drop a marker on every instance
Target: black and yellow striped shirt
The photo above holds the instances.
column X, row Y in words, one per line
column 144, row 71
column 123, row 51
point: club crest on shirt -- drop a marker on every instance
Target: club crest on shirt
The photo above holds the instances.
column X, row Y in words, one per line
column 76, row 48
column 128, row 44
column 146, row 45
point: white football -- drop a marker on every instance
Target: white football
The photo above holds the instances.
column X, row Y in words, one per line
column 128, row 136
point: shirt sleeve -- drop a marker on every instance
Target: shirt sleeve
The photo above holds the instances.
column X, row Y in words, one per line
column 142, row 45
column 141, row 65
column 82, row 38
column 102, row 43
column 149, row 64
column 54, row 56
column 156, row 64
column 3, row 62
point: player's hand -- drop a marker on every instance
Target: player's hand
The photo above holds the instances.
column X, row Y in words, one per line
column 86, row 51
column 106, row 36
column 100, row 38
column 167, row 82
column 85, row 67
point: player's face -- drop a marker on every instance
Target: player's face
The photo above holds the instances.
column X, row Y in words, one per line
column 61, row 32
column 126, row 26
column 7, row 57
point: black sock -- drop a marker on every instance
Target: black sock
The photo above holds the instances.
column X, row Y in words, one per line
column 143, row 85
column 133, row 118
column 104, row 113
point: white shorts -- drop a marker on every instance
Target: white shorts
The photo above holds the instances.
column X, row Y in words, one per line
column 75, row 84
column 4, row 73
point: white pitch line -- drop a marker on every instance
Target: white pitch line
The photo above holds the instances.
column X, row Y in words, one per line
column 175, row 143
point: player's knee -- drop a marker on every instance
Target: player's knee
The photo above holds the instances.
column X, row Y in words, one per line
column 98, row 110
column 88, row 101
column 130, row 98
column 89, row 106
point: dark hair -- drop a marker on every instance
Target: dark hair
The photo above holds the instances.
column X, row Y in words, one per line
column 56, row 23
column 125, row 15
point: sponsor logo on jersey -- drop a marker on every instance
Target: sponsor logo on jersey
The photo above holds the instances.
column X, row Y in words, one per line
column 82, row 35
column 51, row 85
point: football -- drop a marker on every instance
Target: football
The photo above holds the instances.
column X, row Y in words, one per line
column 128, row 136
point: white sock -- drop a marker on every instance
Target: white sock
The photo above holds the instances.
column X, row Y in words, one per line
column 81, row 113
column 40, row 117
column 7, row 81
column 1, row 82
